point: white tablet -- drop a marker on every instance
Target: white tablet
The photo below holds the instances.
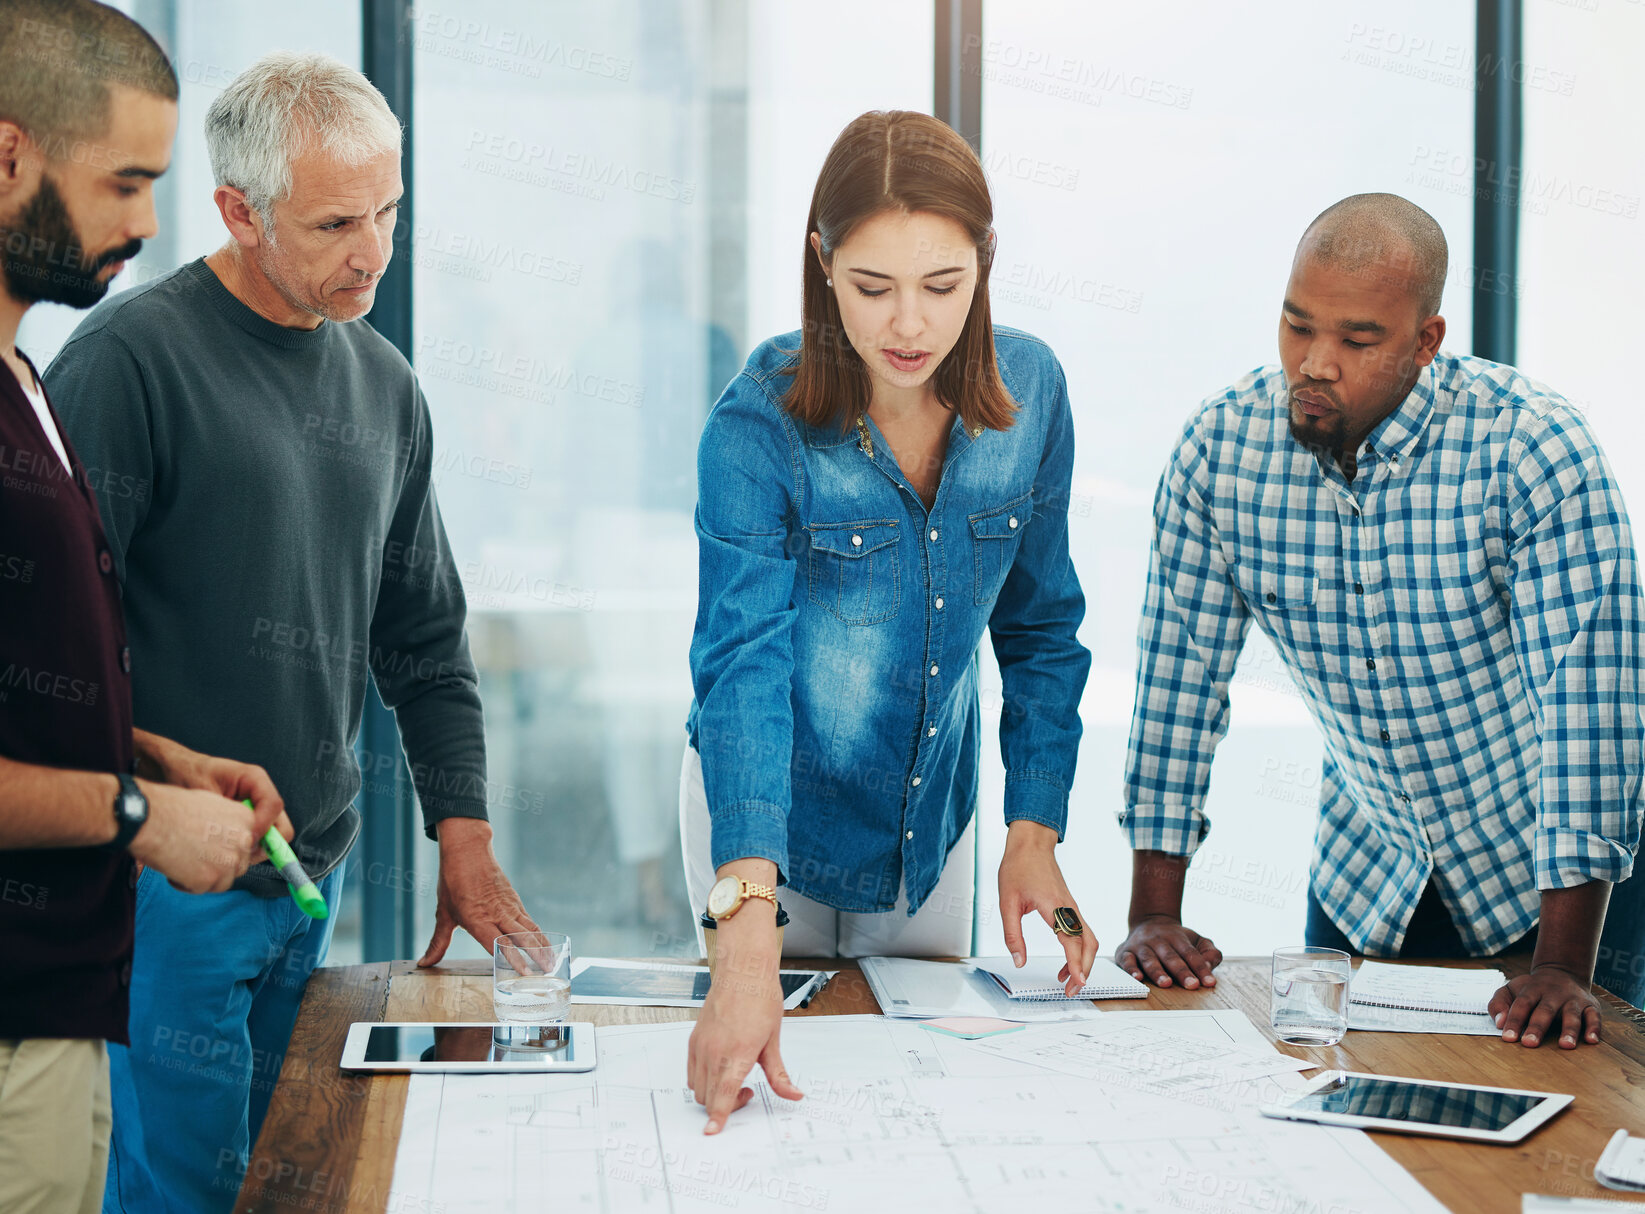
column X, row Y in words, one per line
column 471, row 1048
column 1419, row 1106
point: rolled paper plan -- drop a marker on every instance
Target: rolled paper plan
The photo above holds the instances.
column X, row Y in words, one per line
column 303, row 891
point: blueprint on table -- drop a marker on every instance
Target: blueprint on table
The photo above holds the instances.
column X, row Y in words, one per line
column 895, row 1118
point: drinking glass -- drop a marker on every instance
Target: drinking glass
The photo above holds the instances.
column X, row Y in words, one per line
column 1308, row 1000
column 530, row 985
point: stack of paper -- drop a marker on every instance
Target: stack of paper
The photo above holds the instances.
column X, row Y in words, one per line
column 1422, row 999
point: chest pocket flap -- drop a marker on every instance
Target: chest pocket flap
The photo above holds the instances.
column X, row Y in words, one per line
column 1276, row 586
column 854, row 571
column 852, row 539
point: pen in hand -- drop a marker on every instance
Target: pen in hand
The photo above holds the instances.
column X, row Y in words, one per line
column 303, row 890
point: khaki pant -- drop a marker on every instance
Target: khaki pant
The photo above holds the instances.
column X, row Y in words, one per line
column 54, row 1125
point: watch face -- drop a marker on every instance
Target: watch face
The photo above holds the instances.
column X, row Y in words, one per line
column 132, row 809
column 723, row 896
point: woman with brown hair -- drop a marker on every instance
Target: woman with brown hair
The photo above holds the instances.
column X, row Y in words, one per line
column 873, row 491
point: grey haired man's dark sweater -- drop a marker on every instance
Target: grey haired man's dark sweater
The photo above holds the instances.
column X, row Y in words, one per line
column 267, row 497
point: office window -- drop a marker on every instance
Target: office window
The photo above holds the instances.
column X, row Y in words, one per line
column 1582, row 248
column 1152, row 175
column 610, row 212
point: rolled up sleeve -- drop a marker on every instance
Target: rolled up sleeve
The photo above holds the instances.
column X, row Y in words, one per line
column 1577, row 623
column 1194, row 624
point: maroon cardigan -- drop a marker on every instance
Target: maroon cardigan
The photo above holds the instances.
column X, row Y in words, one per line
column 66, row 914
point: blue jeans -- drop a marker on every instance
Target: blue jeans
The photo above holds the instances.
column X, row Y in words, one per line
column 215, row 986
column 1620, row 967
column 1431, row 933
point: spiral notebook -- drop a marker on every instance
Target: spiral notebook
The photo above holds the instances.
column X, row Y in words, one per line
column 1037, row 980
column 1424, row 988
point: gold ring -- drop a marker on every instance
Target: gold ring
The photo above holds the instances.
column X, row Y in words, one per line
column 1065, row 922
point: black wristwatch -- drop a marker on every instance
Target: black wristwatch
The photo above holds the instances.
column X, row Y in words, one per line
column 131, row 810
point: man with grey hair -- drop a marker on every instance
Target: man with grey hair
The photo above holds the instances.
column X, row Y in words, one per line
column 287, row 549
column 1438, row 549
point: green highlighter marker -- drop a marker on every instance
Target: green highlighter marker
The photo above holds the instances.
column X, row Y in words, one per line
column 303, row 891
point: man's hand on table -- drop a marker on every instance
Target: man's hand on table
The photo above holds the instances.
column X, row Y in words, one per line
column 1162, row 951
column 473, row 892
column 1545, row 1000
column 1556, row 996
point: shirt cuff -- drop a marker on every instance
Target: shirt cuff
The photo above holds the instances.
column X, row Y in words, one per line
column 756, row 829
column 449, row 807
column 1036, row 796
column 1565, row 858
column 1176, row 830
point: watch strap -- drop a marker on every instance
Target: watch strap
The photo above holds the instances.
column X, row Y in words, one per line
column 127, row 825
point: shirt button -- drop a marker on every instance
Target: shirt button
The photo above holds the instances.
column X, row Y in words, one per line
column 933, row 670
column 125, row 660
column 1356, row 511
column 932, row 732
column 856, row 541
column 1012, row 523
column 909, row 835
column 105, row 562
column 1358, row 589
column 916, row 781
column 933, row 535
column 1386, row 737
column 939, row 604
column 1271, row 597
column 1370, row 663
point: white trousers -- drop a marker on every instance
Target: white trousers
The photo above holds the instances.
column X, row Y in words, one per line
column 941, row 928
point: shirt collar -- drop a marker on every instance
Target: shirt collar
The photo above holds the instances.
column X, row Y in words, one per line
column 1396, row 434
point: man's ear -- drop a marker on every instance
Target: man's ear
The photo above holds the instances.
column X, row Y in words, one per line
column 243, row 223
column 1430, row 334
column 20, row 161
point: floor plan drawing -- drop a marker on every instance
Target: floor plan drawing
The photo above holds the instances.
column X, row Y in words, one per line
column 895, row 1118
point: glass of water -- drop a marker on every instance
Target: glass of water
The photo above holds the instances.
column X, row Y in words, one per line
column 530, row 985
column 1308, row 1001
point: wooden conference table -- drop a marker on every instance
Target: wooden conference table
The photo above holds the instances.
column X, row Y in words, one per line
column 329, row 1141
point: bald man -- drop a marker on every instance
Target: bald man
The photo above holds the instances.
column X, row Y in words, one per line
column 1437, row 547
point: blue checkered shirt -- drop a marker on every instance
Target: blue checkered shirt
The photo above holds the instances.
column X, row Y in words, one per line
column 1464, row 621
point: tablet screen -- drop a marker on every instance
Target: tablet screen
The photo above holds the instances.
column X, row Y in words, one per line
column 390, row 1043
column 1427, row 1104
column 596, row 982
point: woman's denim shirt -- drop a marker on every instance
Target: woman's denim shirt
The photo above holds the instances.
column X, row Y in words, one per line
column 835, row 654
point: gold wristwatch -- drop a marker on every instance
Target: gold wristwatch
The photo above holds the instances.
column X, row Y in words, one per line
column 727, row 896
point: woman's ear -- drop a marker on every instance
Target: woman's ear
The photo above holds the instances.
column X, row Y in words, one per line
column 816, row 247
